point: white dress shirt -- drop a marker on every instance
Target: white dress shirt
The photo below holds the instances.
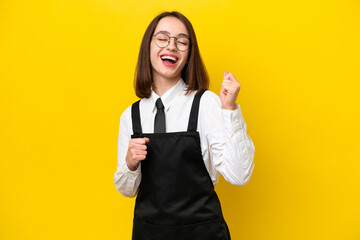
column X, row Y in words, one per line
column 226, row 147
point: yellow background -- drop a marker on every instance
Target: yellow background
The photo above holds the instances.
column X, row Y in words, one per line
column 66, row 71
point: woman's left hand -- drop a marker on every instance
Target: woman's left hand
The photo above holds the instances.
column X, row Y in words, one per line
column 229, row 91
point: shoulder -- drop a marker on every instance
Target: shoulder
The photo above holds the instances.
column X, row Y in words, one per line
column 125, row 118
column 210, row 98
column 209, row 112
column 210, row 106
column 125, row 121
column 126, row 113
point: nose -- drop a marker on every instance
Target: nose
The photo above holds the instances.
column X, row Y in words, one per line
column 172, row 44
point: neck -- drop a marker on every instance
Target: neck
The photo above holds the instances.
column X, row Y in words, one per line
column 161, row 85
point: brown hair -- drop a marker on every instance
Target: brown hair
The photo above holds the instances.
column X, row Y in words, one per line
column 194, row 72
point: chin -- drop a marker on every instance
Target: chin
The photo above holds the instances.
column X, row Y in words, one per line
column 170, row 75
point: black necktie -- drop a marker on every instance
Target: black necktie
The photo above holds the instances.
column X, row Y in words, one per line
column 159, row 126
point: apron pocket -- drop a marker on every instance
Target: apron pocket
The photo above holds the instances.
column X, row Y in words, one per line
column 211, row 230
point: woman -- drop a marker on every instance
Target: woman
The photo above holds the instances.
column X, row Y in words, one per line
column 176, row 141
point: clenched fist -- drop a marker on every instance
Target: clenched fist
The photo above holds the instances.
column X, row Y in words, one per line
column 229, row 91
column 136, row 152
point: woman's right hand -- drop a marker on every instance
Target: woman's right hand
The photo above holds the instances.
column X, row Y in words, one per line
column 136, row 152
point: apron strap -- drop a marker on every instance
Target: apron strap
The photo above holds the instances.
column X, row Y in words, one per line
column 135, row 115
column 195, row 112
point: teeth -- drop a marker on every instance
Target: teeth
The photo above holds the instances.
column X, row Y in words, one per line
column 168, row 57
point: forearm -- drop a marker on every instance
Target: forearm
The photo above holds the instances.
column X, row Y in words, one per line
column 239, row 162
column 231, row 148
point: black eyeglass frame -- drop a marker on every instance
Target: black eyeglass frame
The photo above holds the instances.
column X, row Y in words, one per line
column 175, row 41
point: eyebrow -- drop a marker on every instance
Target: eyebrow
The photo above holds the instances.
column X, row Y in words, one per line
column 179, row 35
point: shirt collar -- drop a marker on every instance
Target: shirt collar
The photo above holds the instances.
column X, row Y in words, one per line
column 168, row 97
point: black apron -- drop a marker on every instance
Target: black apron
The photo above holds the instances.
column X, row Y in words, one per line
column 176, row 198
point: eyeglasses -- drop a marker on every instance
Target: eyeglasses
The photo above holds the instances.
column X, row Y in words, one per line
column 163, row 40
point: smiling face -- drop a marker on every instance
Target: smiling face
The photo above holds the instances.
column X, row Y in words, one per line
column 168, row 62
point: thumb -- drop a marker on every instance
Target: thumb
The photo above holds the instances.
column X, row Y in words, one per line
column 146, row 139
column 225, row 73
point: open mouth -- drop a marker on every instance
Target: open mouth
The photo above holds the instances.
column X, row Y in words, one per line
column 169, row 59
